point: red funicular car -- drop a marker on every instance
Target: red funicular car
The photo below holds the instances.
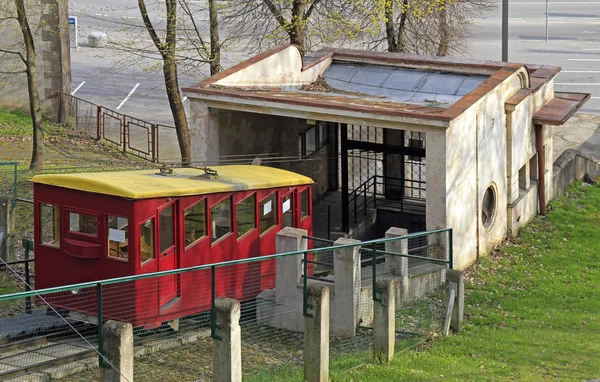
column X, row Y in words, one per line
column 95, row 226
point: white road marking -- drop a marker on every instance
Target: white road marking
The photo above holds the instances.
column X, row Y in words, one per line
column 128, row 95
column 78, row 87
column 583, row 59
column 558, row 3
column 595, row 97
column 577, row 83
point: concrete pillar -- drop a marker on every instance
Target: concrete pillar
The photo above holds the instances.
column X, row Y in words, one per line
column 346, row 268
column 289, row 268
column 118, row 347
column 227, row 351
column 384, row 322
column 456, row 280
column 394, row 165
column 397, row 265
column 435, row 203
column 204, row 132
column 56, row 54
column 316, row 335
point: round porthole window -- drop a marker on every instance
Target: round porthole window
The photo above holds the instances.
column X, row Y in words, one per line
column 488, row 207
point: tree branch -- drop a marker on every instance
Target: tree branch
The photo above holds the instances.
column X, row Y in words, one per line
column 159, row 45
column 276, row 12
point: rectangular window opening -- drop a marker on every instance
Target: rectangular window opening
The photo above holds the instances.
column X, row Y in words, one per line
column 83, row 223
column 220, row 216
column 49, row 221
column 304, row 203
column 167, row 228
column 523, row 179
column 533, row 168
column 147, row 241
column 118, row 237
column 268, row 212
column 195, row 223
column 245, row 212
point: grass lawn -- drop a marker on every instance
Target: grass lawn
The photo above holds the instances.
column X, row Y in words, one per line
column 532, row 308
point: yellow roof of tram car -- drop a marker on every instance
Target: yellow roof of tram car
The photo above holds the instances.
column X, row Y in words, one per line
column 151, row 183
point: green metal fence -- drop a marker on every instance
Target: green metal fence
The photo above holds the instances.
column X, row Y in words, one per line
column 60, row 335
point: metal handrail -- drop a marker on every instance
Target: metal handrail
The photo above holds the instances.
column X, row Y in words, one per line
column 117, row 280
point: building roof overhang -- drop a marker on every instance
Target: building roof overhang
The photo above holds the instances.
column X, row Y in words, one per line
column 230, row 90
column 559, row 109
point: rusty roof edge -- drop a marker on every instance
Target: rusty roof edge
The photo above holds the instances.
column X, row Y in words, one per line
column 517, row 98
column 578, row 98
column 450, row 64
column 316, row 58
column 236, row 97
column 463, row 104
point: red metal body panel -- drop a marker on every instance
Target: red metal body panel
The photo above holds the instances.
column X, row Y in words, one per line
column 148, row 302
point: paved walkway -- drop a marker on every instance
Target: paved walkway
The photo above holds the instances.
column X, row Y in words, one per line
column 581, row 132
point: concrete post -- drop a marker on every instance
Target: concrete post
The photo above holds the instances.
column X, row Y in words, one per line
column 204, row 132
column 289, row 268
column 316, row 335
column 227, row 351
column 456, row 280
column 396, row 265
column 384, row 322
column 118, row 345
column 346, row 267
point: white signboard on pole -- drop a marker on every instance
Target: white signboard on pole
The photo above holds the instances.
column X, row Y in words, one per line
column 73, row 32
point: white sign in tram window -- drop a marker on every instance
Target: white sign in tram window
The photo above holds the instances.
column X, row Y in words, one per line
column 287, row 205
column 267, row 208
column 116, row 235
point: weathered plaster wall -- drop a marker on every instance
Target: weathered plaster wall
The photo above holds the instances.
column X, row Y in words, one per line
column 436, row 202
column 461, row 185
column 49, row 21
column 475, row 160
column 523, row 203
column 241, row 133
column 282, row 68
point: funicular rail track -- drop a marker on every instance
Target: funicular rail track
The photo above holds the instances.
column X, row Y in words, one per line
column 13, row 351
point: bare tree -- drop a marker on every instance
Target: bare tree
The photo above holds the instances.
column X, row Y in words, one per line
column 24, row 51
column 167, row 50
column 308, row 24
column 433, row 27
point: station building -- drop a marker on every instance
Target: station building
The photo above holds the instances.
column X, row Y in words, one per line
column 411, row 141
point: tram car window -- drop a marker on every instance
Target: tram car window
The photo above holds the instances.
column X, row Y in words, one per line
column 95, row 226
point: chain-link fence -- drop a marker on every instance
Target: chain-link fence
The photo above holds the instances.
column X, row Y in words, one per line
column 55, row 332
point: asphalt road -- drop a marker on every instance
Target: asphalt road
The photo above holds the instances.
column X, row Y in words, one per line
column 128, row 82
column 573, row 42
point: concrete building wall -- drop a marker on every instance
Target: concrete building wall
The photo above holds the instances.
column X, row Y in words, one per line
column 436, row 201
column 242, row 133
column 461, row 188
column 49, row 21
column 523, row 201
column 476, row 159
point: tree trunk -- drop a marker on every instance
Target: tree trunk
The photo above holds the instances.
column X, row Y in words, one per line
column 37, row 153
column 402, row 27
column 296, row 30
column 167, row 51
column 176, row 105
column 389, row 26
column 443, row 31
column 215, row 48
